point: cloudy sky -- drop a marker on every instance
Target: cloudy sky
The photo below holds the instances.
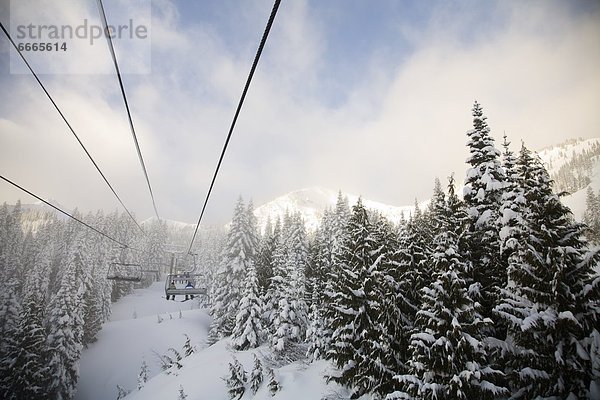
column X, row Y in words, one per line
column 370, row 97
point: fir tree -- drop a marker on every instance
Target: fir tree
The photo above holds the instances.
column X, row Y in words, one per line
column 484, row 185
column 142, row 376
column 241, row 249
column 11, row 247
column 381, row 353
column 29, row 371
column 236, row 380
column 274, row 385
column 10, row 311
column 65, row 333
column 315, row 333
column 264, row 259
column 355, row 309
column 289, row 317
column 188, row 349
column 448, row 358
column 122, row 392
column 256, row 376
column 182, row 395
column 412, row 272
column 248, row 329
column 551, row 302
column 591, row 216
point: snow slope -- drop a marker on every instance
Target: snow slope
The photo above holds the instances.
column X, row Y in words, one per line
column 134, row 335
column 577, row 201
column 116, row 358
column 556, row 156
column 203, row 373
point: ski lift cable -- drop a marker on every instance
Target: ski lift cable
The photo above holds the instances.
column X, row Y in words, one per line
column 70, row 127
column 118, row 72
column 67, row 214
column 237, row 112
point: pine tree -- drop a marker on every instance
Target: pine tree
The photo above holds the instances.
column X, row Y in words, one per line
column 10, row 310
column 355, row 307
column 551, row 302
column 29, row 371
column 264, row 259
column 188, row 349
column 65, row 330
column 327, row 248
column 236, row 380
column 256, row 377
column 289, row 316
column 11, row 247
column 182, row 395
column 381, row 353
column 591, row 216
column 248, row 329
column 122, row 392
column 274, row 385
column 241, row 249
column 315, row 333
column 484, row 185
column 448, row 358
column 411, row 272
column 142, row 376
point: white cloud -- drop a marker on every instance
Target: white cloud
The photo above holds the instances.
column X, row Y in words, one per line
column 536, row 74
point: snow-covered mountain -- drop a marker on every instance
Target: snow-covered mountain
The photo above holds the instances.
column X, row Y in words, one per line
column 574, row 166
column 557, row 156
column 312, row 202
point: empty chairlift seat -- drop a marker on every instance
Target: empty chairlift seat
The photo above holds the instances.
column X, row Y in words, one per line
column 125, row 272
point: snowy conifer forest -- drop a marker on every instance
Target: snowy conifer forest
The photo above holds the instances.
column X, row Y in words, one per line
column 492, row 293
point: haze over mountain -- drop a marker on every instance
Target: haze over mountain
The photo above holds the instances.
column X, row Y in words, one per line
column 563, row 160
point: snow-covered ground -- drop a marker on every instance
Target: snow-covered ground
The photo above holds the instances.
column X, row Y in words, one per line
column 135, row 335
column 577, row 201
column 555, row 157
column 203, row 373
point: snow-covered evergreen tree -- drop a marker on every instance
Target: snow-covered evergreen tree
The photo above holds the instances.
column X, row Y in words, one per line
column 264, row 258
column 142, row 376
column 381, row 353
column 448, row 357
column 239, row 254
column 274, row 385
column 289, row 315
column 182, row 395
column 484, row 186
column 355, row 310
column 248, row 330
column 29, row 372
column 591, row 216
column 65, row 331
column 10, row 310
column 316, row 330
column 236, row 381
column 256, row 376
column 11, row 247
column 551, row 301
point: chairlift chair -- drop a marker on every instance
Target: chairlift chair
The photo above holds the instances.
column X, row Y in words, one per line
column 180, row 280
column 124, row 272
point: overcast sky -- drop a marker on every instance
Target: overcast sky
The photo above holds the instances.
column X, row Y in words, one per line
column 370, row 97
